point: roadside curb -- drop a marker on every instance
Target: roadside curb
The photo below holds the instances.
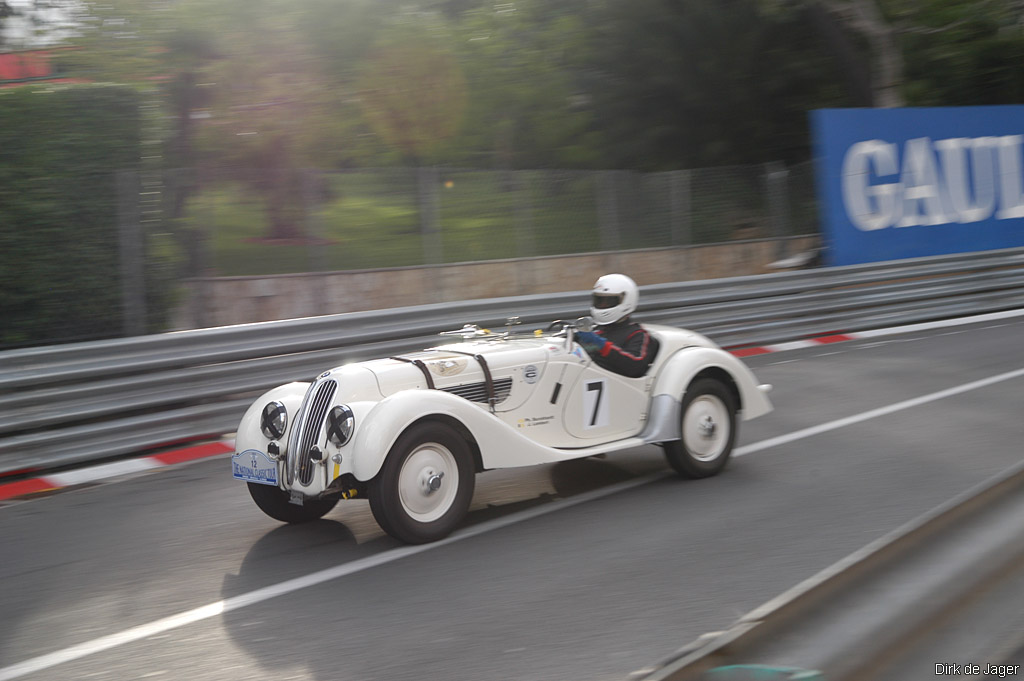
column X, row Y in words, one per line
column 872, row 333
column 93, row 474
column 793, row 345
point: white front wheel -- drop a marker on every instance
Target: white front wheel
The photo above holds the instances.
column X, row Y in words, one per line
column 426, row 484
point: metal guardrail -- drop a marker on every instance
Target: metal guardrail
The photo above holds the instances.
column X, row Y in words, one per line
column 64, row 405
column 884, row 605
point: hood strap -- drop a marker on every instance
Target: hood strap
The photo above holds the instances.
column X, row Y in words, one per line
column 488, row 379
column 418, row 363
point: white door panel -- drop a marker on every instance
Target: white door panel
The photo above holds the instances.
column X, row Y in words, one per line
column 540, row 417
column 604, row 406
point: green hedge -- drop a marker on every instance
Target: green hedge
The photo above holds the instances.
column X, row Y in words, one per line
column 60, row 152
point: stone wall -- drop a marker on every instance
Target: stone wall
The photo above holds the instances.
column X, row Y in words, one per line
column 222, row 301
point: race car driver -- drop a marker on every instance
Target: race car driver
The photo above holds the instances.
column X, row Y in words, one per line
column 618, row 344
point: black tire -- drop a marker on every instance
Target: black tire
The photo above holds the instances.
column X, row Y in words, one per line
column 702, row 451
column 274, row 502
column 402, row 496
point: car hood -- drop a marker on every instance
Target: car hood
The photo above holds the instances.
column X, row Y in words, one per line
column 516, row 366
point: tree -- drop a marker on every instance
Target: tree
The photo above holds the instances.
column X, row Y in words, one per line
column 528, row 103
column 866, row 19
column 968, row 54
column 38, row 23
column 248, row 84
column 919, row 48
column 706, row 82
column 412, row 92
column 6, row 11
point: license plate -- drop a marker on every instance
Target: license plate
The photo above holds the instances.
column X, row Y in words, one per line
column 253, row 465
column 296, row 498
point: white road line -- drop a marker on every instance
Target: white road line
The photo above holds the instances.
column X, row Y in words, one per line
column 875, row 413
column 205, row 612
column 925, row 326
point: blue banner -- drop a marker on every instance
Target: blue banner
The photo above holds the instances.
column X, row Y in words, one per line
column 903, row 183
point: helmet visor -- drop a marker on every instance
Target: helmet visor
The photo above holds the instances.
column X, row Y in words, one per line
column 605, row 301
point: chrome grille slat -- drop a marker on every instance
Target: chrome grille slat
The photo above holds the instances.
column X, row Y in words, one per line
column 293, row 436
column 312, row 424
column 477, row 392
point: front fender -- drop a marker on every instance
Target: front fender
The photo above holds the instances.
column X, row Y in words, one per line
column 680, row 370
column 390, row 417
column 500, row 444
column 250, row 436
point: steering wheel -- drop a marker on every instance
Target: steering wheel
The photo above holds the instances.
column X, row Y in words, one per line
column 557, row 327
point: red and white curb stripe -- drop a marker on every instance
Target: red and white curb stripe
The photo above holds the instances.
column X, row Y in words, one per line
column 874, row 333
column 91, row 474
column 794, row 345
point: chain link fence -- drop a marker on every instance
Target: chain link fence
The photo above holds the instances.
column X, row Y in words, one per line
column 373, row 218
column 174, row 225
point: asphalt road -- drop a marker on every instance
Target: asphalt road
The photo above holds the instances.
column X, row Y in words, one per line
column 537, row 587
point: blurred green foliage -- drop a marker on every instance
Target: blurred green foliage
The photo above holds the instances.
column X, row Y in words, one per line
column 707, row 83
column 963, row 52
column 370, row 219
column 252, row 95
column 60, row 152
column 645, row 84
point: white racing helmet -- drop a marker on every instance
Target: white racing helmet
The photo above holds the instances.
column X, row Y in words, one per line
column 615, row 297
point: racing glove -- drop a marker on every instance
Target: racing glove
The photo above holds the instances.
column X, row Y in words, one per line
column 590, row 340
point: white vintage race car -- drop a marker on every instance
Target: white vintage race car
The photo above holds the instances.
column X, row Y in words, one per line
column 411, row 432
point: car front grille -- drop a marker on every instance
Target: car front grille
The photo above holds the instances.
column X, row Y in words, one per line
column 308, row 429
column 477, row 392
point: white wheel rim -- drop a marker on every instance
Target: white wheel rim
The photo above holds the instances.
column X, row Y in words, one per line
column 706, row 427
column 428, row 482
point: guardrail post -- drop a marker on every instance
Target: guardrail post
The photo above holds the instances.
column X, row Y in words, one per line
column 433, row 251
column 525, row 245
column 776, row 176
column 608, row 209
column 679, row 200
column 200, row 266
column 316, row 242
column 132, row 253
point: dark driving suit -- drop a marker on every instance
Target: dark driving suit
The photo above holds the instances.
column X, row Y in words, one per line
column 628, row 350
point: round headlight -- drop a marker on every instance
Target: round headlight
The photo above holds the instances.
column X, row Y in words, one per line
column 274, row 420
column 340, row 424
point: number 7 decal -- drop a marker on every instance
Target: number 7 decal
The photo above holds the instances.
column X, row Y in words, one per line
column 595, row 408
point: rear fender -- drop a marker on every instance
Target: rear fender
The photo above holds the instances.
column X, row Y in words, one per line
column 684, row 366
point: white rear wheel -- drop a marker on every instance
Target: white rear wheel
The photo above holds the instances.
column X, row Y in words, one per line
column 707, row 427
column 707, row 430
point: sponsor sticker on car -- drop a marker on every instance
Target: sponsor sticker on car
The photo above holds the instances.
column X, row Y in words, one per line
column 253, row 465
